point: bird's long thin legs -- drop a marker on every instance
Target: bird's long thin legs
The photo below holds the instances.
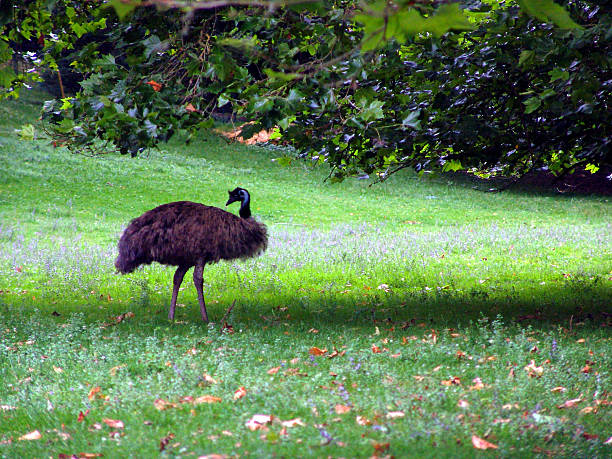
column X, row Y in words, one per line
column 198, row 280
column 178, row 279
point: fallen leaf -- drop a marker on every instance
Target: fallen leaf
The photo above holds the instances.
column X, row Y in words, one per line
column 213, row 456
column 190, row 108
column 34, row 435
column 376, row 349
column 113, row 423
column 480, row 443
column 478, row 384
column 292, row 423
column 581, row 340
column 533, row 370
column 164, row 441
column 588, row 409
column 586, row 369
column 501, row 421
column 463, row 404
column 558, row 389
column 341, row 409
column 570, row 403
column 7, row 407
column 589, row 436
column 273, row 371
column 240, row 392
column 82, row 415
column 395, row 414
column 113, row 371
column 317, row 351
column 92, row 393
column 454, row 380
column 162, row 404
column 258, row 422
column 380, row 447
column 57, row 369
column 363, row 421
column 206, row 399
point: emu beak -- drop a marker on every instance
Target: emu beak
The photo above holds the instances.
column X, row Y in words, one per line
column 230, row 200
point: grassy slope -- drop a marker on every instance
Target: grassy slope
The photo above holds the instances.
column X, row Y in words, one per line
column 449, row 254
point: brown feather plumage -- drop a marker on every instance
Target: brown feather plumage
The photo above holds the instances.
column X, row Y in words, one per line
column 187, row 234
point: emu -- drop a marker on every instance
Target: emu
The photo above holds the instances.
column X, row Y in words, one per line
column 186, row 234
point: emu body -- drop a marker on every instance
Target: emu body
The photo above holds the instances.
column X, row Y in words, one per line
column 186, row 234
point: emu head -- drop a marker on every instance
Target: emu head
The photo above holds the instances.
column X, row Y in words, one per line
column 238, row 194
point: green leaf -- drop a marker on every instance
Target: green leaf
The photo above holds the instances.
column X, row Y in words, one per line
column 67, row 103
column 526, row 58
column 592, row 168
column 549, row 11
column 373, row 111
column 281, row 76
column 122, row 8
column 452, row 165
column 412, row 120
column 532, row 104
column 26, row 132
column 7, row 75
column 558, row 74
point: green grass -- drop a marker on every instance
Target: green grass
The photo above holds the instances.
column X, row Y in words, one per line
column 450, row 284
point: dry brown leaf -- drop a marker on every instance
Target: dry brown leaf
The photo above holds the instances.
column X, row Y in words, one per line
column 317, row 351
column 292, row 423
column 57, row 369
column 501, row 421
column 190, row 108
column 82, row 415
column 363, row 421
column 162, row 404
column 206, row 399
column 480, row 443
column 240, row 392
column 113, row 423
column 452, row 381
column 341, row 409
column 273, row 371
column 478, row 384
column 533, row 370
column 463, row 404
column 113, row 371
column 581, row 340
column 376, row 349
column 570, row 403
column 558, row 389
column 395, row 414
column 259, row 422
column 93, row 392
column 34, row 435
column 586, row 369
column 164, row 441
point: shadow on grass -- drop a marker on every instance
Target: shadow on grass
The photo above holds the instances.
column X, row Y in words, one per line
column 542, row 307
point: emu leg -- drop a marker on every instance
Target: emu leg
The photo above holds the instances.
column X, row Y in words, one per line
column 178, row 279
column 198, row 281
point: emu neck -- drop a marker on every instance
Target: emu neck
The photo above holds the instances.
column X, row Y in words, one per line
column 245, row 209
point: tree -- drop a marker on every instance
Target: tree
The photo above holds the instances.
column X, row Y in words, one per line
column 365, row 87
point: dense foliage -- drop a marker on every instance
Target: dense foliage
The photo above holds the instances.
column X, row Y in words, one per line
column 365, row 88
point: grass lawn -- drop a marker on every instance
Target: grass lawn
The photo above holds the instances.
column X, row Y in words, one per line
column 416, row 318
